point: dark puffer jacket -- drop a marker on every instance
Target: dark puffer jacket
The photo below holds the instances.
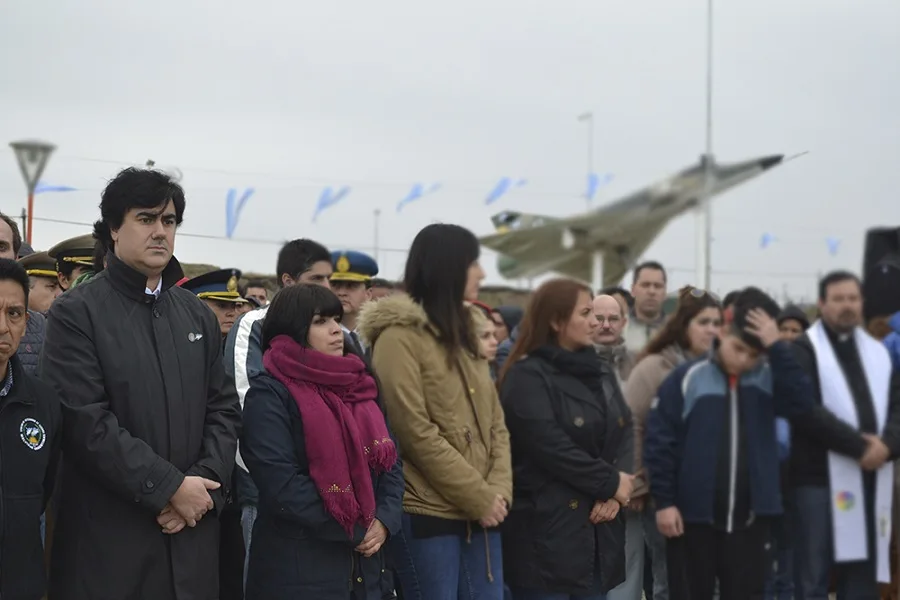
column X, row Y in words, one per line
column 29, row 352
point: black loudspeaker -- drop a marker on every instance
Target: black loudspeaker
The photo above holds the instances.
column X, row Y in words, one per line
column 881, row 272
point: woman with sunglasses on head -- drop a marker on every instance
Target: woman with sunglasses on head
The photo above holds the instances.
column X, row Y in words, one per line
column 564, row 538
column 689, row 332
column 318, row 449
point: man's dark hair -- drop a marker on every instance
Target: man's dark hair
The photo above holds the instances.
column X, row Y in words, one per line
column 748, row 300
column 100, row 250
column 378, row 282
column 730, row 298
column 836, row 277
column 292, row 310
column 136, row 188
column 13, row 271
column 298, row 256
column 16, row 236
column 653, row 266
column 257, row 283
column 614, row 290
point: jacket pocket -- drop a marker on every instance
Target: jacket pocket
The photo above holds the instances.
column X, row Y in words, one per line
column 564, row 540
column 23, row 550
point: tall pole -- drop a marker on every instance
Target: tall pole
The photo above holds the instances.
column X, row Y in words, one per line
column 588, row 118
column 704, row 213
column 376, row 215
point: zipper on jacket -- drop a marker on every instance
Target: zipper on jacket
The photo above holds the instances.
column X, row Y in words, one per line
column 733, row 459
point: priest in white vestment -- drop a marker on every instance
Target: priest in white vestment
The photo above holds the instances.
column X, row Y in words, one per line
column 843, row 505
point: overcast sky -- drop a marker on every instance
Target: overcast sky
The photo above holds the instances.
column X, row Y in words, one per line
column 288, row 97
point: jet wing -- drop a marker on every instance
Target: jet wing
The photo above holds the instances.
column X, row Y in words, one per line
column 531, row 245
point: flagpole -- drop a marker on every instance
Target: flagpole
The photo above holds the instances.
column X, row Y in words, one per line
column 704, row 212
column 588, row 118
column 376, row 214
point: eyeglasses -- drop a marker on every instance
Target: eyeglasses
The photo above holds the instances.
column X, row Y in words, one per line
column 613, row 320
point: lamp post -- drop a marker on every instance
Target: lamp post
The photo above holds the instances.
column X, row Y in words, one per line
column 704, row 211
column 32, row 157
column 588, row 118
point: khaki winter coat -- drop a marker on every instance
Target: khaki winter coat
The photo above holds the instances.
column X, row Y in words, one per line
column 444, row 414
column 640, row 390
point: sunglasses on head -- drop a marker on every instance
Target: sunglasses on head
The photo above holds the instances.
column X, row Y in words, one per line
column 698, row 293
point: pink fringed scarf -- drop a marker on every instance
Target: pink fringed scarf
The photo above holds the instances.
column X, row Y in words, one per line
column 345, row 431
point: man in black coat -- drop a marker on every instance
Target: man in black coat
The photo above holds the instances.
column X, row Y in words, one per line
column 151, row 418
column 30, row 432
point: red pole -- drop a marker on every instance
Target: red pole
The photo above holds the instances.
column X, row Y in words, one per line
column 30, row 214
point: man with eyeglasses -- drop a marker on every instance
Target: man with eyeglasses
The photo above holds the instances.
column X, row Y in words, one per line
column 608, row 339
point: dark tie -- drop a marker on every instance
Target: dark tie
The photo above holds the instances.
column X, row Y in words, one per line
column 357, row 343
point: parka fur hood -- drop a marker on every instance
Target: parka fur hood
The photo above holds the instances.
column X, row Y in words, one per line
column 402, row 311
column 443, row 410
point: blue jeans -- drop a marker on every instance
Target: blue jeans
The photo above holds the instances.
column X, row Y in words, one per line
column 519, row 594
column 814, row 550
column 448, row 567
column 248, row 518
column 642, row 536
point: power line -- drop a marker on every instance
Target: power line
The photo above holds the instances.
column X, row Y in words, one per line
column 272, row 242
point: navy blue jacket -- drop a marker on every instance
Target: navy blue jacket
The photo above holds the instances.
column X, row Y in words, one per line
column 298, row 549
column 682, row 443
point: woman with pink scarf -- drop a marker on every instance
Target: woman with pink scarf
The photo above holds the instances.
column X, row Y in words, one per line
column 319, row 450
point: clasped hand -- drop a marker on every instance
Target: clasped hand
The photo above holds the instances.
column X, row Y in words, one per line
column 877, row 453
column 188, row 505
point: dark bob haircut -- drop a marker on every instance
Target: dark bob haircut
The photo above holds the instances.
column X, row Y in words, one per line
column 136, row 188
column 11, row 270
column 292, row 310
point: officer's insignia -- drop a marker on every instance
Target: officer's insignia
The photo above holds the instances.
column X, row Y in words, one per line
column 232, row 284
column 343, row 264
column 32, row 434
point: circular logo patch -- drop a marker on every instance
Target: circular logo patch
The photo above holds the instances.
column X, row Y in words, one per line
column 845, row 501
column 32, row 434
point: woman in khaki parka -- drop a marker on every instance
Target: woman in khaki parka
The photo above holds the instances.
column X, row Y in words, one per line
column 445, row 414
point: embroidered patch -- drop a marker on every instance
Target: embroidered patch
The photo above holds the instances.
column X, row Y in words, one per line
column 32, row 434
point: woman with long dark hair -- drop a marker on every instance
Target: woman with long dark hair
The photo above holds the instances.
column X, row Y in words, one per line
column 688, row 333
column 444, row 409
column 569, row 428
column 318, row 449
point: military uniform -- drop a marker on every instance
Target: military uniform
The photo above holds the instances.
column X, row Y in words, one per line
column 351, row 267
column 213, row 288
column 39, row 265
column 219, row 289
column 73, row 258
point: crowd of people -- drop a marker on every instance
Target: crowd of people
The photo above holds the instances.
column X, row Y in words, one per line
column 353, row 439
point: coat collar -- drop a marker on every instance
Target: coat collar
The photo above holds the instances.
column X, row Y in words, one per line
column 133, row 283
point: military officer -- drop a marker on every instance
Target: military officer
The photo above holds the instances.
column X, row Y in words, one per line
column 74, row 257
column 45, row 288
column 219, row 290
column 351, row 281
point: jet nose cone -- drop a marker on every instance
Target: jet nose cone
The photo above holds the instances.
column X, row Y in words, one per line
column 770, row 161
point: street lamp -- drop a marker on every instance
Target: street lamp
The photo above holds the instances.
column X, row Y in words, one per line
column 32, row 157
